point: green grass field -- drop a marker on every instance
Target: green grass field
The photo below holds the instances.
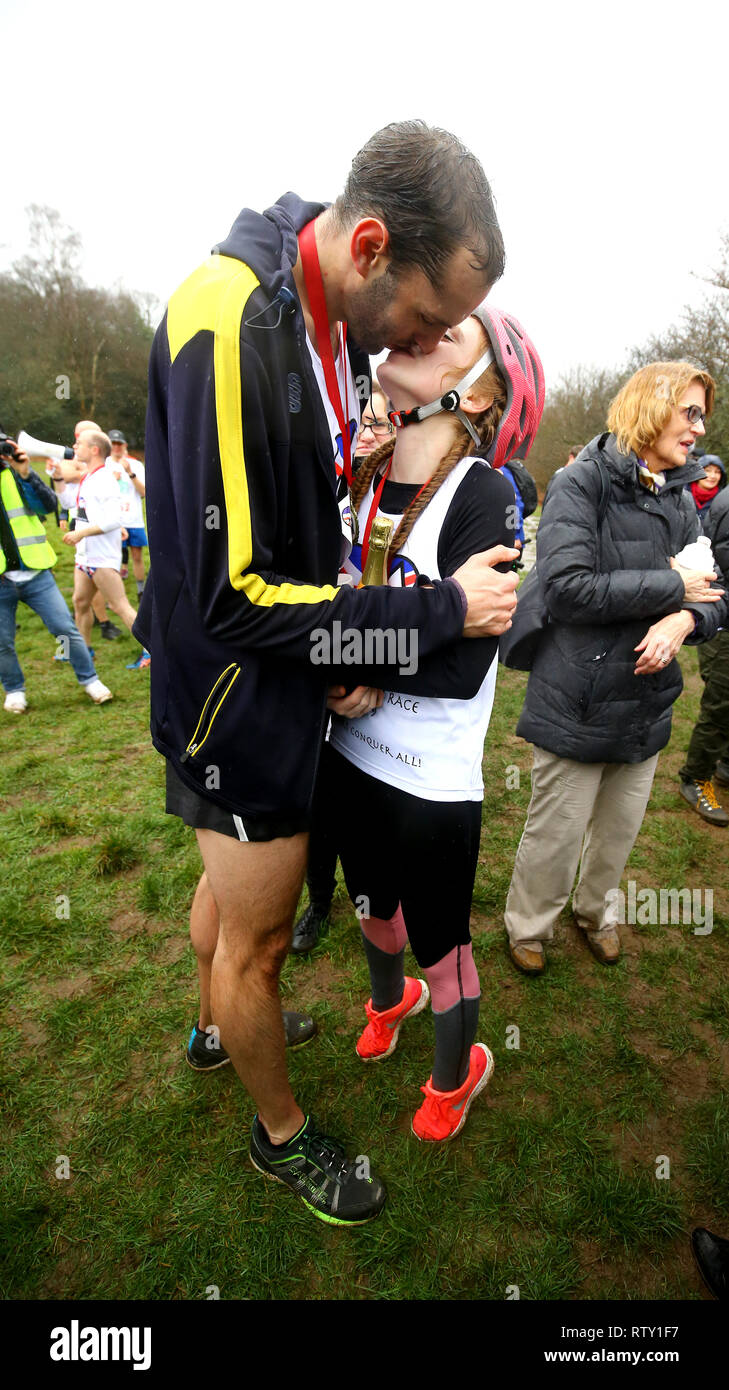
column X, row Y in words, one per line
column 552, row 1186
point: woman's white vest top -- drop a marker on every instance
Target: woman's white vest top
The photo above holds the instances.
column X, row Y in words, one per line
column 432, row 748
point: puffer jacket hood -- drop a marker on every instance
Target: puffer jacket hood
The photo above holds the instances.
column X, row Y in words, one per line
column 706, row 459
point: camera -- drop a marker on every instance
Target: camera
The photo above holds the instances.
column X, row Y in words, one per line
column 8, row 447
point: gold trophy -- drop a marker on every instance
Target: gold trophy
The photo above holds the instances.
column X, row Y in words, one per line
column 380, row 537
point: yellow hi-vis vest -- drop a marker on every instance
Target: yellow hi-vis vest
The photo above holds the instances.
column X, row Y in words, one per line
column 34, row 548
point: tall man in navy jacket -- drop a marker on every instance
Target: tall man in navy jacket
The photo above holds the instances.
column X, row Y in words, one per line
column 246, row 455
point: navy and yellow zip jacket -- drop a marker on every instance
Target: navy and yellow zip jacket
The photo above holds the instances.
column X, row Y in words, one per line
column 245, row 530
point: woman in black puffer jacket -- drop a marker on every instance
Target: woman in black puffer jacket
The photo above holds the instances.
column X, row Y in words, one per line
column 604, row 680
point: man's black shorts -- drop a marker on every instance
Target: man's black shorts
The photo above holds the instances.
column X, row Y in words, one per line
column 201, row 814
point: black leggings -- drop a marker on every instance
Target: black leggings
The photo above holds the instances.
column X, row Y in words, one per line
column 398, row 848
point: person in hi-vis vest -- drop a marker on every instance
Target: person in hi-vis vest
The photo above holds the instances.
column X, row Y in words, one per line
column 26, row 560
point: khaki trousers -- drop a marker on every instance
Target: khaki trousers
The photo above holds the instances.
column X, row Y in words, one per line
column 592, row 810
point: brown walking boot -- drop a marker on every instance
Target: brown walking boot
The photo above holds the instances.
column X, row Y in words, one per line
column 604, row 944
column 528, row 956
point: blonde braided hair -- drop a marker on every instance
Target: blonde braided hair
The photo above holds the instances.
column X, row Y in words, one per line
column 485, row 424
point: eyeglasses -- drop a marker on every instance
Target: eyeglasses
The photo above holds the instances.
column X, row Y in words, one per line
column 380, row 428
column 693, row 414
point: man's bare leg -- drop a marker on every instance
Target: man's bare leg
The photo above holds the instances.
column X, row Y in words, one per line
column 83, row 593
column 137, row 563
column 256, row 888
column 204, row 928
column 99, row 607
column 109, row 583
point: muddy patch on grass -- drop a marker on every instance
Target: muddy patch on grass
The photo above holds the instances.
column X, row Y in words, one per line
column 687, row 1078
column 33, row 1033
column 643, row 997
column 631, row 1277
column 63, row 1279
column 66, row 842
column 147, row 1073
column 128, row 923
column 68, row 987
column 324, row 983
column 637, row 1146
column 171, row 950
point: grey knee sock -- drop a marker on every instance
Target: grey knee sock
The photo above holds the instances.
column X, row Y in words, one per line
column 455, row 1031
column 387, row 976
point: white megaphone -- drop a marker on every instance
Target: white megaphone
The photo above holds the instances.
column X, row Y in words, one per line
column 40, row 449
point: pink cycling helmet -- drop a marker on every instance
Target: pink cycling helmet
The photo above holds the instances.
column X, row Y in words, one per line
column 520, row 365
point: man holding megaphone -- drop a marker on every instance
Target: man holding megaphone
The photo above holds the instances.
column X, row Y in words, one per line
column 26, row 558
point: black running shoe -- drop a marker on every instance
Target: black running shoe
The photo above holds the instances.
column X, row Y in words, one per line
column 339, row 1190
column 711, row 1254
column 109, row 631
column 307, row 930
column 205, row 1052
column 299, row 1028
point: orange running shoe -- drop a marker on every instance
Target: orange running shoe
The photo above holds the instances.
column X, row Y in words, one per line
column 380, row 1036
column 443, row 1113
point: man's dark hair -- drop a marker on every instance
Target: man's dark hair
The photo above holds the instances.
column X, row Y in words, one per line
column 576, row 449
column 432, row 195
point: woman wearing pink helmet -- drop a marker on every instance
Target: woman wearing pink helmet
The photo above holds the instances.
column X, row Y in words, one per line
column 409, row 774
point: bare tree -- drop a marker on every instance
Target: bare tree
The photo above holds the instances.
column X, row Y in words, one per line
column 58, row 329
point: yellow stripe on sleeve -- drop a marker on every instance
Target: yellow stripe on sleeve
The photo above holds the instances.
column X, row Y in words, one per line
column 229, row 407
column 213, row 299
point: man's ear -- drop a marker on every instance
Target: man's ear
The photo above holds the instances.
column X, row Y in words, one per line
column 369, row 247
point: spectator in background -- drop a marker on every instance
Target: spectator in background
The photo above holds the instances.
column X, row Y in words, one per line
column 375, row 427
column 707, row 759
column 26, row 558
column 97, row 536
column 72, row 472
column 705, row 489
column 129, row 475
column 619, row 612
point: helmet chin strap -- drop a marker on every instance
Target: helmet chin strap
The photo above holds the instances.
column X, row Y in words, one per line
column 450, row 402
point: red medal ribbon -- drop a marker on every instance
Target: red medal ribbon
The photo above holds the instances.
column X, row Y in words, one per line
column 374, row 508
column 317, row 304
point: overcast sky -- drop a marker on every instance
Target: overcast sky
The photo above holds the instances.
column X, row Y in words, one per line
column 602, row 129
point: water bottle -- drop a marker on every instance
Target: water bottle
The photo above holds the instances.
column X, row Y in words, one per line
column 697, row 556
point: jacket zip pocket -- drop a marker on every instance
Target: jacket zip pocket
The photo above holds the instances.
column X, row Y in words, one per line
column 585, row 698
column 218, row 694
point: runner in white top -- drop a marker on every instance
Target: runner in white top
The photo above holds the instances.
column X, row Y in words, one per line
column 129, row 476
column 96, row 536
column 409, row 773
